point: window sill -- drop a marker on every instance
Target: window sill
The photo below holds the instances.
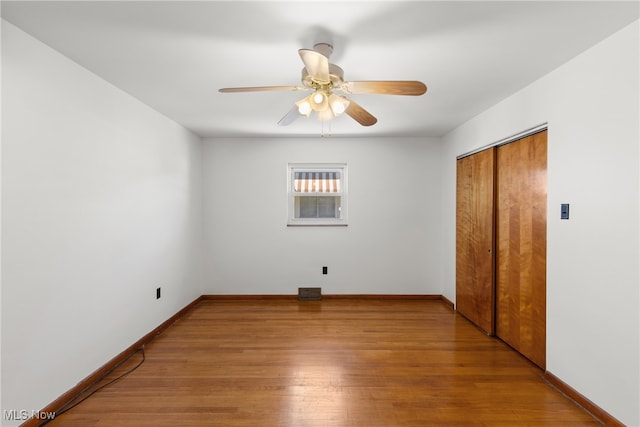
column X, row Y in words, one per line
column 316, row 224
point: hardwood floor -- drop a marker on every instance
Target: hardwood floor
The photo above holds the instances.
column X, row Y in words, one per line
column 337, row 362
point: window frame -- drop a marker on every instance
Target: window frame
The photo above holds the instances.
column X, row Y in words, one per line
column 292, row 168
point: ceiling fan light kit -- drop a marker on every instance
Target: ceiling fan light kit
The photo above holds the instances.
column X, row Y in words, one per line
column 323, row 79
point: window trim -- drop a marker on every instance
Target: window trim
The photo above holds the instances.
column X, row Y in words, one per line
column 294, row 167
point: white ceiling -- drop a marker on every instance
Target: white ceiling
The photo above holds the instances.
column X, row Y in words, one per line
column 175, row 55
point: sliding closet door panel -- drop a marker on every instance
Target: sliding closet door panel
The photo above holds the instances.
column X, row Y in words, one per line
column 521, row 246
column 475, row 266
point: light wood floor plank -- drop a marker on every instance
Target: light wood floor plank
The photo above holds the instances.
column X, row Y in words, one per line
column 327, row 363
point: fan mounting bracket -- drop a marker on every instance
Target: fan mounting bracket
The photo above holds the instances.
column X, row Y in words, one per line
column 324, row 48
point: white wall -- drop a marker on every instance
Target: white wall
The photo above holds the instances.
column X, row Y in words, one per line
column 1, row 24
column 102, row 203
column 591, row 106
column 389, row 247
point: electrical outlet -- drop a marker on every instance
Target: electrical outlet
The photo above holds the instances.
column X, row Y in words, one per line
column 325, row 270
column 157, row 293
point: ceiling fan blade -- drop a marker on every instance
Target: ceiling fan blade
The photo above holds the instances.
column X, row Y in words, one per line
column 260, row 89
column 317, row 65
column 359, row 114
column 389, row 87
column 290, row 117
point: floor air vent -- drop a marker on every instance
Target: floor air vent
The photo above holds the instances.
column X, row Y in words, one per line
column 309, row 294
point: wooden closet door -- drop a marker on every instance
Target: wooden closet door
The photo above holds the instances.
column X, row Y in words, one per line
column 475, row 266
column 522, row 246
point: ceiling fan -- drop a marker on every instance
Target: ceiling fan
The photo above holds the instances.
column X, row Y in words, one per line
column 324, row 79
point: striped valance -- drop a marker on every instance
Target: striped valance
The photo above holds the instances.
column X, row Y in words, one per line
column 317, row 182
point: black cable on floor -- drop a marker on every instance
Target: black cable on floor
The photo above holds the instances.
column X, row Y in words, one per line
column 70, row 405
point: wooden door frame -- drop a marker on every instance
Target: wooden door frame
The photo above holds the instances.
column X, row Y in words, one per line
column 516, row 136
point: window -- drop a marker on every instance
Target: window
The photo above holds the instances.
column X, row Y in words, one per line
column 317, row 194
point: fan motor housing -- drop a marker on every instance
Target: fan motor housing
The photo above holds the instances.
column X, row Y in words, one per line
column 336, row 75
